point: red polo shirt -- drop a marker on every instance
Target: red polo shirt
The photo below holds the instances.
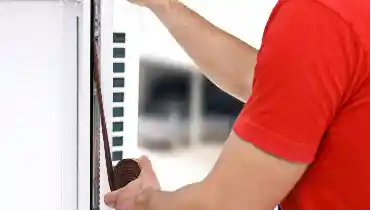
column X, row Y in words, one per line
column 310, row 100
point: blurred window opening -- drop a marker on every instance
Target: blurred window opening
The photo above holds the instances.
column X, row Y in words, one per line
column 165, row 103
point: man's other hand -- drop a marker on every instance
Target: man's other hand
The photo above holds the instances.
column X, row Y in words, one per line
column 128, row 198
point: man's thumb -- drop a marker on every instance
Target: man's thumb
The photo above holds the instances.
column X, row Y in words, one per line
column 145, row 164
column 148, row 175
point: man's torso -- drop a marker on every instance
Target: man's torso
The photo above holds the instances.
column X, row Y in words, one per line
column 339, row 176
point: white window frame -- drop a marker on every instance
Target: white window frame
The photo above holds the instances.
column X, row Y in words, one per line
column 84, row 116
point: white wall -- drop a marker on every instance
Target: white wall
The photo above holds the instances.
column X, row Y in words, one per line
column 38, row 110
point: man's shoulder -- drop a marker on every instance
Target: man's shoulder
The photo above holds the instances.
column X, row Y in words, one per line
column 355, row 13
column 348, row 10
column 295, row 11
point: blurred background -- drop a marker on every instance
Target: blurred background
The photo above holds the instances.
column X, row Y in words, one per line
column 180, row 108
column 183, row 118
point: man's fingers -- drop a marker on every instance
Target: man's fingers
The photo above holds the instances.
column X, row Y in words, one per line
column 111, row 198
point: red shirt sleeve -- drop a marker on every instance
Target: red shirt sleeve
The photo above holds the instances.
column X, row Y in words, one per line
column 301, row 76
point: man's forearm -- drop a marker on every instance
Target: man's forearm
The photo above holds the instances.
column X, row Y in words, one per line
column 223, row 58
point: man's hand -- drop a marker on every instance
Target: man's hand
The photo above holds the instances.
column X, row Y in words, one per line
column 128, row 197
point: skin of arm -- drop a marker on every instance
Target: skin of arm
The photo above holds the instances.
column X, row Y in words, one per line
column 244, row 177
column 224, row 59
